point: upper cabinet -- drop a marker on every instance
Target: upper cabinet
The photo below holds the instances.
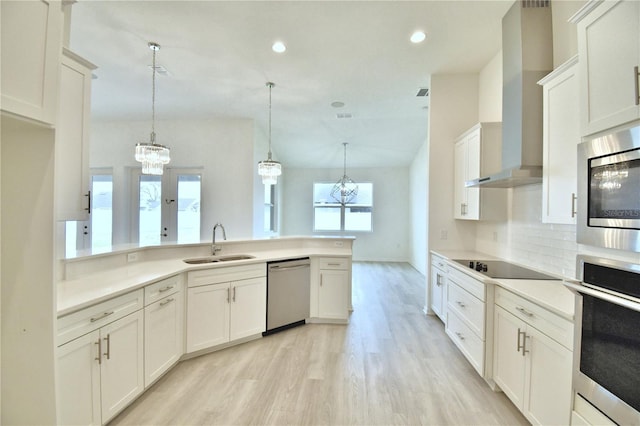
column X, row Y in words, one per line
column 72, row 139
column 477, row 153
column 31, row 42
column 609, row 50
column 561, row 134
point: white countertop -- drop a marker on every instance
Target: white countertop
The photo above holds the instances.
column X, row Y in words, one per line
column 93, row 288
column 550, row 294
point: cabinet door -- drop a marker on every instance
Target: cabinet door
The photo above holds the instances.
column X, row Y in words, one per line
column 207, row 316
column 437, row 291
column 248, row 314
column 609, row 49
column 31, row 42
column 72, row 140
column 122, row 369
column 78, row 381
column 459, row 191
column 333, row 294
column 548, row 380
column 561, row 134
column 163, row 332
column 508, row 361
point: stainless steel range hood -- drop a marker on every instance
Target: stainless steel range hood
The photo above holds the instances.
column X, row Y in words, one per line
column 527, row 56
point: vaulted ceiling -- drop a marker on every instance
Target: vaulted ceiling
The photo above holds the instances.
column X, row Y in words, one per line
column 218, row 57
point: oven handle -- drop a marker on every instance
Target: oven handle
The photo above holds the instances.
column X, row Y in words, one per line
column 620, row 301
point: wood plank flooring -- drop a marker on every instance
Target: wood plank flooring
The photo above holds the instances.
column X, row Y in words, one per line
column 392, row 365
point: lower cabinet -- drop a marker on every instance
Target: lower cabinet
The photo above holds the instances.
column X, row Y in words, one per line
column 438, row 286
column 101, row 372
column 333, row 289
column 163, row 335
column 531, row 368
column 225, row 305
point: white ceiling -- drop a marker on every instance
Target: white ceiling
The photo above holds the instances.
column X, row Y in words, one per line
column 219, row 57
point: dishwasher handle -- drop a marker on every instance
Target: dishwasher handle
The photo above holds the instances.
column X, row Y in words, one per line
column 278, row 268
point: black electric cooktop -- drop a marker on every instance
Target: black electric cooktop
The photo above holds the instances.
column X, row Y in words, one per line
column 501, row 269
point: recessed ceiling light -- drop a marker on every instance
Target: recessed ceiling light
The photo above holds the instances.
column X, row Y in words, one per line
column 418, row 37
column 337, row 104
column 278, row 47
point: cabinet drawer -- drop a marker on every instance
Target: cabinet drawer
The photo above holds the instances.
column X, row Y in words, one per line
column 89, row 319
column 554, row 326
column 226, row 274
column 473, row 286
column 160, row 289
column 333, row 263
column 439, row 262
column 469, row 308
column 469, row 344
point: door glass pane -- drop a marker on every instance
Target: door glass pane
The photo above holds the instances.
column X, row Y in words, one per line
column 189, row 208
column 150, row 210
column 101, row 211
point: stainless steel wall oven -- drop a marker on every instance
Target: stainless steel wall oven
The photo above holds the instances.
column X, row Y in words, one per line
column 607, row 354
column 609, row 191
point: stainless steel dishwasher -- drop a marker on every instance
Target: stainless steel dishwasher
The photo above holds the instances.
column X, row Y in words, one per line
column 288, row 294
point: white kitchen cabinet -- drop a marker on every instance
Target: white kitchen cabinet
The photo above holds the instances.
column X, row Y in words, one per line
column 561, row 135
column 333, row 288
column 72, row 138
column 31, row 33
column 609, row 50
column 532, row 368
column 468, row 323
column 163, row 327
column 225, row 304
column 477, row 152
column 438, row 286
column 101, row 372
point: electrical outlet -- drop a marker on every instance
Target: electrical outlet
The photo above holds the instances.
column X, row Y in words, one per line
column 132, row 257
column 338, row 244
column 444, row 234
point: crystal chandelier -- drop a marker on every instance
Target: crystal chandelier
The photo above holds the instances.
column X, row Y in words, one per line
column 152, row 155
column 269, row 169
column 345, row 190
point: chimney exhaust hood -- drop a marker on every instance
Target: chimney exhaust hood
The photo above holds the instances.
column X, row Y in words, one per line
column 527, row 56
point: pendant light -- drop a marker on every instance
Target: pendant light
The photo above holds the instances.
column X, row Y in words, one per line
column 152, row 155
column 345, row 190
column 269, row 169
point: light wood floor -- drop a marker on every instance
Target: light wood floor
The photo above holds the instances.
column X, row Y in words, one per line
column 390, row 365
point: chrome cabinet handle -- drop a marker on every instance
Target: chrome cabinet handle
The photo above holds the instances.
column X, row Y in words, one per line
column 104, row 315
column 519, row 344
column 167, row 288
column 320, row 280
column 333, row 264
column 228, row 294
column 167, row 301
column 234, row 294
column 524, row 343
column 524, row 311
column 636, row 75
column 108, row 353
column 573, row 205
column 99, row 357
column 459, row 303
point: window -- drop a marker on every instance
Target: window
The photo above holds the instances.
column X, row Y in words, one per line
column 168, row 206
column 329, row 215
column 269, row 208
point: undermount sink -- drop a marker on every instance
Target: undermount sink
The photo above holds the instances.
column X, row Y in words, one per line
column 215, row 259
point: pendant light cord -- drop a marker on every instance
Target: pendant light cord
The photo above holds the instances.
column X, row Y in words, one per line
column 270, row 84
column 345, row 159
column 155, row 47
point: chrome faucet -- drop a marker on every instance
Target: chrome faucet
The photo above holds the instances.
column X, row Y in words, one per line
column 214, row 247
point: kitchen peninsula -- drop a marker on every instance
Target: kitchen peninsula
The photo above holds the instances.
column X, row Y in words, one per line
column 127, row 316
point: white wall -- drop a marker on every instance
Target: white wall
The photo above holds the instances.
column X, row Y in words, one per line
column 490, row 90
column 224, row 148
column 389, row 240
column 419, row 193
column 453, row 110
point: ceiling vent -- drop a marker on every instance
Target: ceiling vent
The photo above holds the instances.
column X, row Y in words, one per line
column 344, row 115
column 422, row 92
column 161, row 70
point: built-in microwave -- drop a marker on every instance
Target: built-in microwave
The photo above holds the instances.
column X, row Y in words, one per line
column 609, row 191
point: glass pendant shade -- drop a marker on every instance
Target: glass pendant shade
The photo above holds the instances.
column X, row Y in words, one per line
column 345, row 190
column 152, row 155
column 269, row 169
